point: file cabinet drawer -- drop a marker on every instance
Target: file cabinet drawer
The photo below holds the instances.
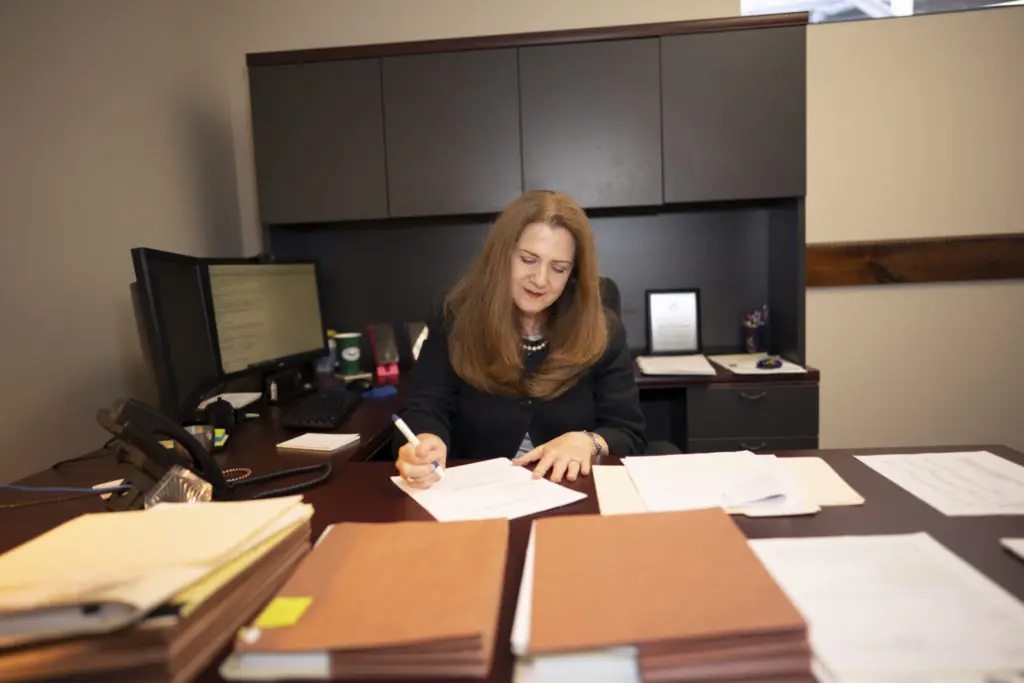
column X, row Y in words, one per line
column 771, row 445
column 753, row 410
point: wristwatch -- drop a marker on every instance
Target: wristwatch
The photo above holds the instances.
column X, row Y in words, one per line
column 597, row 444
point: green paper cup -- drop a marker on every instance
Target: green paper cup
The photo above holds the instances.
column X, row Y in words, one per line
column 348, row 352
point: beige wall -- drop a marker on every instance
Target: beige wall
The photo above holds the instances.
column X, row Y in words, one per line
column 131, row 127
column 111, row 135
column 914, row 131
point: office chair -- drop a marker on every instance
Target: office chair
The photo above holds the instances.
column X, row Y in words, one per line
column 612, row 300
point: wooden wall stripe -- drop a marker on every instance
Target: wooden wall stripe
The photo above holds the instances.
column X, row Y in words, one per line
column 944, row 259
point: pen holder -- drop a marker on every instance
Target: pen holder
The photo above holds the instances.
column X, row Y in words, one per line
column 755, row 339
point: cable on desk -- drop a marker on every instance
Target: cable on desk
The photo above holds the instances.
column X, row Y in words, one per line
column 81, row 493
column 289, row 490
column 103, row 451
column 65, row 489
column 46, row 501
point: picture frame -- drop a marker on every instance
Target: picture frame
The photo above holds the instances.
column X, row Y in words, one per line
column 673, row 323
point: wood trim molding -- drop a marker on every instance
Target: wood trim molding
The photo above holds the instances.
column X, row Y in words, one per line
column 330, row 54
column 943, row 259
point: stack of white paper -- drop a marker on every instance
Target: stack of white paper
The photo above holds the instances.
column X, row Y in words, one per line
column 899, row 609
column 694, row 364
column 956, row 484
column 817, row 482
column 489, row 489
column 740, row 482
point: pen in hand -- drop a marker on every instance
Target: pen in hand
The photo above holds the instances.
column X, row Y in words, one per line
column 411, row 438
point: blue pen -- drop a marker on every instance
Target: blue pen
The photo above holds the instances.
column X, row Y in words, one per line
column 411, row 438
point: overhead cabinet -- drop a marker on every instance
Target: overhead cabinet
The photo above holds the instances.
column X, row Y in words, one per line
column 318, row 137
column 733, row 106
column 591, row 121
column 451, row 123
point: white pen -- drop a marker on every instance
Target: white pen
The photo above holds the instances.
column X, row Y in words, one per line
column 411, row 438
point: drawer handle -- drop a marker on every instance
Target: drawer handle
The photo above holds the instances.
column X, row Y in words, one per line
column 755, row 447
column 752, row 397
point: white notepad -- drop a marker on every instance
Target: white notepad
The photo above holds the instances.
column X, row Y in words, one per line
column 693, row 364
column 489, row 489
column 318, row 443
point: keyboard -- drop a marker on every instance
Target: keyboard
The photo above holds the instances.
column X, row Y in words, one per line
column 324, row 409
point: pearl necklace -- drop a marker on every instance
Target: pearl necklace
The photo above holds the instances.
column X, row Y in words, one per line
column 533, row 347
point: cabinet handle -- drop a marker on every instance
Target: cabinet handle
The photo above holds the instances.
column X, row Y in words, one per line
column 752, row 397
column 755, row 447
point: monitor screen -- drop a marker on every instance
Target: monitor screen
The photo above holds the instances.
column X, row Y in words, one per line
column 180, row 336
column 265, row 313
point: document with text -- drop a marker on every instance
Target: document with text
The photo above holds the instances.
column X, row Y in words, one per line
column 740, row 482
column 897, row 608
column 489, row 489
column 956, row 484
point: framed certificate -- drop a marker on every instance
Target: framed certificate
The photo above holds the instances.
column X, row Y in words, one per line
column 673, row 321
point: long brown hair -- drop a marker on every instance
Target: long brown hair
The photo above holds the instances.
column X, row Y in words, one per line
column 484, row 332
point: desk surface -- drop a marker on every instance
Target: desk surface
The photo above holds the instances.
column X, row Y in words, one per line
column 364, row 492
column 723, row 377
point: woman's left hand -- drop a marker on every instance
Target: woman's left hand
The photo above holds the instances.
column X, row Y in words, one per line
column 568, row 455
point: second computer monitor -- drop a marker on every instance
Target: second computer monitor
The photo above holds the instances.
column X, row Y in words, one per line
column 265, row 314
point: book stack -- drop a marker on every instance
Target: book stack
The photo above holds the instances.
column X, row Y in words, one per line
column 395, row 600
column 672, row 596
column 149, row 595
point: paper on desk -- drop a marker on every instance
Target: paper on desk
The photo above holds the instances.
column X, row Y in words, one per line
column 238, row 400
column 746, row 364
column 1014, row 545
column 616, row 494
column 489, row 489
column 605, row 665
column 693, row 364
column 738, row 481
column 897, row 608
column 817, row 482
column 318, row 442
column 820, row 482
column 956, row 484
column 111, row 550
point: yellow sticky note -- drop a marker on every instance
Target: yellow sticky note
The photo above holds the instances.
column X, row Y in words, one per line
column 282, row 612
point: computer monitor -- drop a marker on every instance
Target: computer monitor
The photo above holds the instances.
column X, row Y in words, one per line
column 179, row 331
column 265, row 314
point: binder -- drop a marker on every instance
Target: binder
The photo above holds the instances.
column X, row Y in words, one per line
column 683, row 588
column 405, row 599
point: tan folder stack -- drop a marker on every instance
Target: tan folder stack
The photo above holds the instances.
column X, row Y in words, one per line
column 169, row 638
column 681, row 591
column 406, row 599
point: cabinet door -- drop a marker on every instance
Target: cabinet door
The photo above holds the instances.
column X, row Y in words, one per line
column 451, row 123
column 318, row 138
column 592, row 122
column 734, row 114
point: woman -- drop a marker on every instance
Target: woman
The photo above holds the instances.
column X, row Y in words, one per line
column 525, row 362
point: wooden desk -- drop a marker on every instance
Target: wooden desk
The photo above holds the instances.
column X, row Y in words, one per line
column 363, row 492
column 729, row 412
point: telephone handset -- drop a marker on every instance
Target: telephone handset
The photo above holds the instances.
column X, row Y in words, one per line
column 138, row 431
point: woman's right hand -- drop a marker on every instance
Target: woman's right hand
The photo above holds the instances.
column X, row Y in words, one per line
column 416, row 463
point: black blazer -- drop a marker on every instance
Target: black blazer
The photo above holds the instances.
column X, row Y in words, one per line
column 474, row 424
